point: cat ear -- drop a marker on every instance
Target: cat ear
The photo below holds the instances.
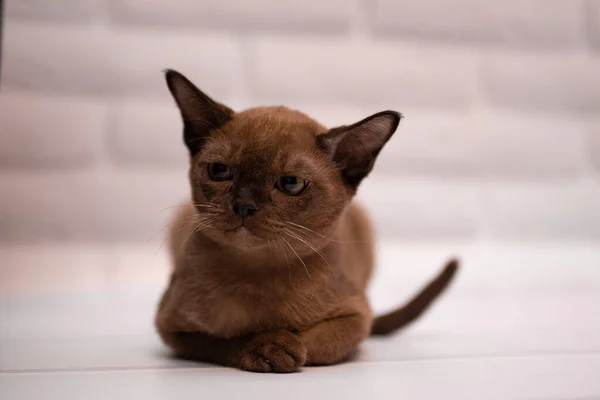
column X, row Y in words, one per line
column 200, row 113
column 354, row 148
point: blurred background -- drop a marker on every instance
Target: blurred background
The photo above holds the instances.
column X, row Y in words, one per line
column 500, row 141
column 497, row 161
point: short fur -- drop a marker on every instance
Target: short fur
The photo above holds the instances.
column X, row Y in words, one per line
column 285, row 286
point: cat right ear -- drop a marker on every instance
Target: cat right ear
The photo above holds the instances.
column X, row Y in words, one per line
column 200, row 113
column 355, row 148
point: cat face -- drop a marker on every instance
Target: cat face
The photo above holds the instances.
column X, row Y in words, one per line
column 271, row 172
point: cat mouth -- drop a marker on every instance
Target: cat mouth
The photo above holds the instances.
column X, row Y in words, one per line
column 238, row 228
column 242, row 230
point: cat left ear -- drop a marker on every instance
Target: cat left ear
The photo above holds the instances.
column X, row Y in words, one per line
column 355, row 148
column 200, row 113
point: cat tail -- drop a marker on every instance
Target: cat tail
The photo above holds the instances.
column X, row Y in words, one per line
column 394, row 320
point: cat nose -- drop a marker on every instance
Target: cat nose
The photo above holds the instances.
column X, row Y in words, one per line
column 244, row 210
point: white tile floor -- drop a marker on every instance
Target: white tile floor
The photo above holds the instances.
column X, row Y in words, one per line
column 521, row 322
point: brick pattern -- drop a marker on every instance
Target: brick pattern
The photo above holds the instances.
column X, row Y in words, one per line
column 593, row 13
column 336, row 71
column 529, row 23
column 40, row 131
column 543, row 83
column 538, row 211
column 88, row 205
column 501, row 138
column 62, row 11
column 258, row 15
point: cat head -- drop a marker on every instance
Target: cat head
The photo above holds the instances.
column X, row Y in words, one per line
column 270, row 172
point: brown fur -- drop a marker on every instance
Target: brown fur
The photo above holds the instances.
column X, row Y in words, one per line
column 284, row 287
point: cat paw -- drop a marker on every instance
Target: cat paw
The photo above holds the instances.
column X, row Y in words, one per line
column 280, row 351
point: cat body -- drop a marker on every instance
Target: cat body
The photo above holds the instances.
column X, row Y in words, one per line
column 272, row 256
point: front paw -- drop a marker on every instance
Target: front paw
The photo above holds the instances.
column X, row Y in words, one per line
column 280, row 351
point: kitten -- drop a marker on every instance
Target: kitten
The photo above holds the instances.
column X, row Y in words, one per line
column 272, row 256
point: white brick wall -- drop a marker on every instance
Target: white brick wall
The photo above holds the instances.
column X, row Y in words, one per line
column 311, row 15
column 43, row 131
column 340, row 71
column 501, row 138
column 593, row 12
column 549, row 83
column 60, row 11
column 145, row 133
column 526, row 23
column 88, row 204
column 539, row 211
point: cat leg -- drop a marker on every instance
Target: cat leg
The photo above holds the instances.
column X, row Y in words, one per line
column 273, row 351
column 331, row 341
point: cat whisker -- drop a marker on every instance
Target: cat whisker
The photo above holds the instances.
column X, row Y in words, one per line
column 186, row 224
column 170, row 208
column 158, row 250
column 287, row 225
column 202, row 224
column 287, row 263
column 160, row 231
column 318, row 252
column 171, row 224
column 295, row 227
column 301, row 228
column 196, row 218
column 197, row 228
column 299, row 258
column 190, row 219
column 205, row 205
column 162, row 243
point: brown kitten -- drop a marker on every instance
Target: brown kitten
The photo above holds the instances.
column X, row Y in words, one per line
column 272, row 257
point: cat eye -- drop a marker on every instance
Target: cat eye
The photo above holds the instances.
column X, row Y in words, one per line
column 291, row 185
column 219, row 172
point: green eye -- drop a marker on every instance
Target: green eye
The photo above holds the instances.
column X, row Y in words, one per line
column 291, row 185
column 219, row 172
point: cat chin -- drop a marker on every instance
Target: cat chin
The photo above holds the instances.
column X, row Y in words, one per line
column 241, row 232
column 244, row 238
